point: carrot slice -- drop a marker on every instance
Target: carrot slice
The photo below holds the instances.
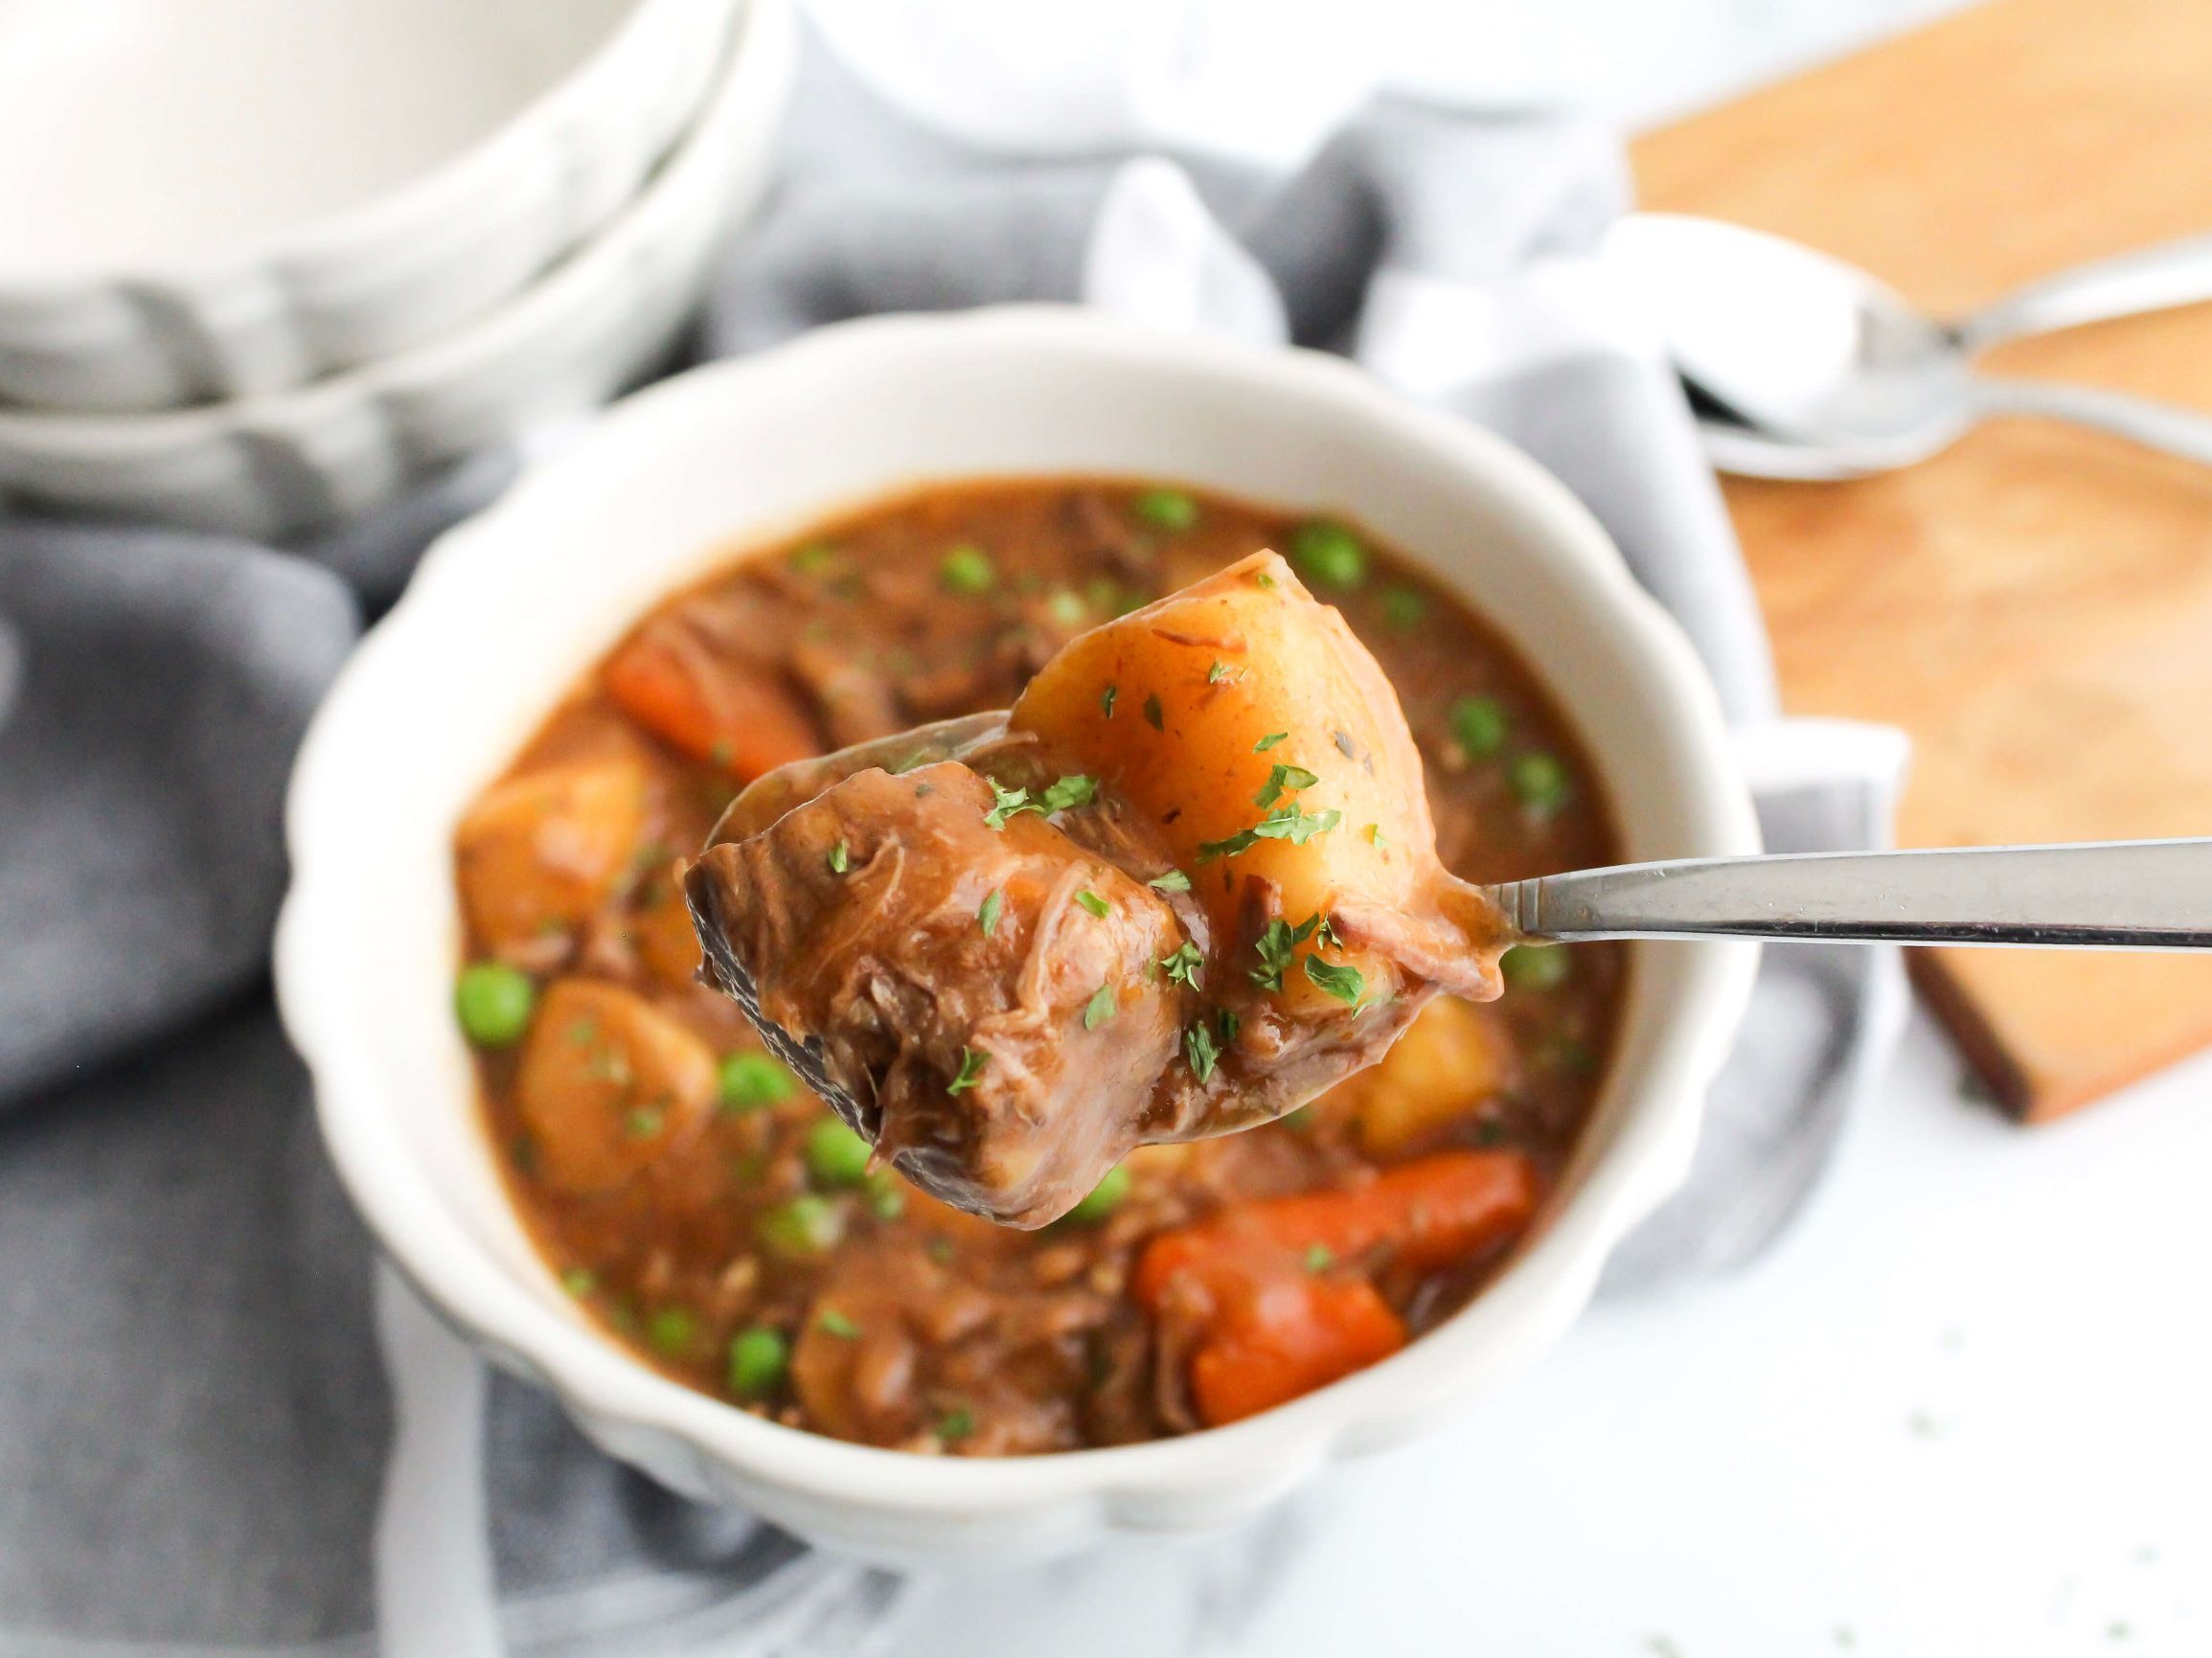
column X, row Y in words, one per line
column 724, row 712
column 1274, row 1285
column 1431, row 1211
column 1290, row 1338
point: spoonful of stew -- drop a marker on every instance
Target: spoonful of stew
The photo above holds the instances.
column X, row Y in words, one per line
column 1184, row 885
column 1189, row 881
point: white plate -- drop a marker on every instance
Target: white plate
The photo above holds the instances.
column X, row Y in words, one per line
column 275, row 465
column 218, row 198
column 511, row 607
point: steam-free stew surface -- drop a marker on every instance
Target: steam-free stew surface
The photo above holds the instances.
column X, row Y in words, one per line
column 694, row 1197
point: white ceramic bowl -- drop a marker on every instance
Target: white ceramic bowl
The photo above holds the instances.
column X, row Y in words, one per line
column 273, row 467
column 512, row 606
column 230, row 197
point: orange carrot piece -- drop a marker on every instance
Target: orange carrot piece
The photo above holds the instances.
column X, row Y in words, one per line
column 1296, row 1335
column 1275, row 1283
column 1431, row 1211
column 743, row 721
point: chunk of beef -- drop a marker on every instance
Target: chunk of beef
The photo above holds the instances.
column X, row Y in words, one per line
column 984, row 992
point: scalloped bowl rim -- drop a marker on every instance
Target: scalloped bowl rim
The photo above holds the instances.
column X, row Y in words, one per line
column 407, row 206
column 616, row 1398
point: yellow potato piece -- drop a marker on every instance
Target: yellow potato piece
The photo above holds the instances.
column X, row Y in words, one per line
column 1212, row 690
column 539, row 853
column 608, row 1084
column 1451, row 1058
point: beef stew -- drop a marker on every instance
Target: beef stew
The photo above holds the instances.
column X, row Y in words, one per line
column 728, row 1229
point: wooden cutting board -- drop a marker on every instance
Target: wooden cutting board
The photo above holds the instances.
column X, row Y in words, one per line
column 2035, row 606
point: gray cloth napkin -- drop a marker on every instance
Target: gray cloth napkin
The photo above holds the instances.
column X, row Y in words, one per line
column 207, row 1396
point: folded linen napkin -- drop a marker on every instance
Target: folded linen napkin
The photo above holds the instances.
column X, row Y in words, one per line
column 225, row 1431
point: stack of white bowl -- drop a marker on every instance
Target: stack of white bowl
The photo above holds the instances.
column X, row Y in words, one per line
column 262, row 265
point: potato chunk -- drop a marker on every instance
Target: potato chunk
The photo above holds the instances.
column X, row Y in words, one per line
column 609, row 1084
column 1262, row 737
column 539, row 853
column 1451, row 1060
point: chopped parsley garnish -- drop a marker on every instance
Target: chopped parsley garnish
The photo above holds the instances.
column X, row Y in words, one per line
column 956, row 1424
column 1285, row 823
column 1182, row 966
column 1107, row 699
column 1375, row 835
column 1346, row 983
column 1281, row 780
column 1199, row 1048
column 1005, row 803
column 1220, row 672
column 1325, row 934
column 1103, row 1006
column 987, row 912
column 836, row 1324
column 1276, row 946
column 1226, row 1025
column 1156, row 715
column 1070, row 792
column 1269, row 741
column 1319, row 1258
column 971, row 1064
column 1092, row 902
column 1263, row 579
column 841, row 858
column 1174, row 882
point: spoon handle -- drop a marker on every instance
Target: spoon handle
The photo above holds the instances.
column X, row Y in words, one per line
column 2181, row 432
column 2107, row 895
column 2151, row 278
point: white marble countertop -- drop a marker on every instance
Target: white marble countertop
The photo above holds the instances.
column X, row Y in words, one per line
column 1965, row 1405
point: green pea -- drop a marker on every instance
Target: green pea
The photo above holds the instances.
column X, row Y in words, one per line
column 751, row 1080
column 835, row 1155
column 1104, row 1199
column 1534, row 966
column 1478, row 725
column 1542, row 782
column 806, row 1225
column 671, row 1331
column 759, row 1356
column 967, row 569
column 1329, row 554
column 493, row 1003
column 884, row 1194
column 1403, row 608
column 1166, row 509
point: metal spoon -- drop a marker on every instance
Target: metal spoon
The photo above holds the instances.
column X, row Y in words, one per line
column 2099, row 895
column 1809, row 368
